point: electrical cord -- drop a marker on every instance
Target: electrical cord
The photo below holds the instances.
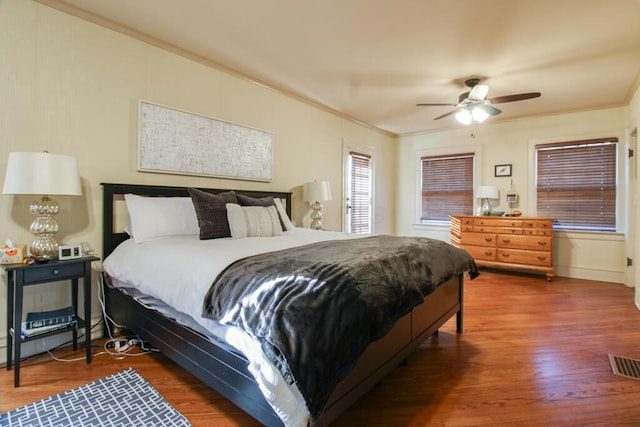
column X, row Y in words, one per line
column 117, row 348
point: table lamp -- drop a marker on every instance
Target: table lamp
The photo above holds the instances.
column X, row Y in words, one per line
column 487, row 192
column 315, row 193
column 45, row 174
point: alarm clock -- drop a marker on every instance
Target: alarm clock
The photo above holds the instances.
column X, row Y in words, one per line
column 69, row 252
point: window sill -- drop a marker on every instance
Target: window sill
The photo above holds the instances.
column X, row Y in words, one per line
column 432, row 225
column 589, row 235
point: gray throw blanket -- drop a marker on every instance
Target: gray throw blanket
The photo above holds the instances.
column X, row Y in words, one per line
column 315, row 308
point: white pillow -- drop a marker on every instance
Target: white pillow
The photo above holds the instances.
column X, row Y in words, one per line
column 253, row 221
column 288, row 225
column 155, row 217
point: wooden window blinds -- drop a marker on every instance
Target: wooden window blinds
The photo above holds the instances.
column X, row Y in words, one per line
column 576, row 184
column 360, row 193
column 447, row 186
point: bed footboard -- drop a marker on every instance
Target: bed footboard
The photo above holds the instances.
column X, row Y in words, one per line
column 386, row 354
column 226, row 371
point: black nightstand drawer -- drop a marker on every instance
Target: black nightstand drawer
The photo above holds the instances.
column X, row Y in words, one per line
column 54, row 272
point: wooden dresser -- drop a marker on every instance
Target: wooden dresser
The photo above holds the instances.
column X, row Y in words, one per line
column 510, row 243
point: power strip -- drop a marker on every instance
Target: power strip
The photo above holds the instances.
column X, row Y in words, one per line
column 122, row 345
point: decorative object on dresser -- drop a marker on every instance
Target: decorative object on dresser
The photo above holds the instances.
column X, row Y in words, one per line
column 486, row 192
column 510, row 243
column 315, row 193
column 44, row 174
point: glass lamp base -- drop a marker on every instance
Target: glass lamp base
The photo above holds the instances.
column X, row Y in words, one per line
column 486, row 207
column 316, row 216
column 44, row 247
column 44, row 227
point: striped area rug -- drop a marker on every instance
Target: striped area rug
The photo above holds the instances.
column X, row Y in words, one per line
column 122, row 399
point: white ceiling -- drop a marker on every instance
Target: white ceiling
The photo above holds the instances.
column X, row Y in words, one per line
column 373, row 60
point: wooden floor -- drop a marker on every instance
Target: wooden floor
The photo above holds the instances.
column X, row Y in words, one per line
column 532, row 353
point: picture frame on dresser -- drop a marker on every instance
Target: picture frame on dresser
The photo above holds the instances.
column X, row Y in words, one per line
column 502, row 170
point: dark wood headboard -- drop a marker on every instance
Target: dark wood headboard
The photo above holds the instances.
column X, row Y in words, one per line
column 111, row 239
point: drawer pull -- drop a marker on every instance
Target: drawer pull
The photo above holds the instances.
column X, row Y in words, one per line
column 55, row 272
column 507, row 241
column 488, row 239
column 505, row 255
column 542, row 258
column 487, row 253
column 542, row 243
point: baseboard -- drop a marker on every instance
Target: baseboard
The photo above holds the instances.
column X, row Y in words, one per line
column 586, row 273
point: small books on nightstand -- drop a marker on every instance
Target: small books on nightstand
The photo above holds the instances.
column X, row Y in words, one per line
column 47, row 321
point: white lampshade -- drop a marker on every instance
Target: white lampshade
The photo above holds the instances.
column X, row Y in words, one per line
column 42, row 173
column 487, row 192
column 317, row 191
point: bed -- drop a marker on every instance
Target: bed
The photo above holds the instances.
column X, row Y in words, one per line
column 223, row 365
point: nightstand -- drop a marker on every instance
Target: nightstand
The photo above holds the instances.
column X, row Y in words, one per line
column 21, row 275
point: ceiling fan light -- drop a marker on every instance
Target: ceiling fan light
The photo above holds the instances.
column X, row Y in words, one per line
column 464, row 116
column 479, row 115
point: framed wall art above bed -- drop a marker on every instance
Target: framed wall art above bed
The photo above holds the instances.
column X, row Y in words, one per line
column 179, row 142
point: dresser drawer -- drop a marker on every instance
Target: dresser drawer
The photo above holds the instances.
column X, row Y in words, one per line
column 492, row 229
column 497, row 222
column 481, row 252
column 518, row 256
column 58, row 271
column 478, row 239
column 466, row 221
column 537, row 227
column 535, row 243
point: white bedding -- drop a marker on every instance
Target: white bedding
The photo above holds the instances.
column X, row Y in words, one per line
column 179, row 272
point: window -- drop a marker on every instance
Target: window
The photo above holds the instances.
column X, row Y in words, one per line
column 576, row 184
column 447, row 186
column 359, row 193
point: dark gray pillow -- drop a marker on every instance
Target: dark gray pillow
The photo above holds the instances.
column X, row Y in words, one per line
column 265, row 202
column 211, row 210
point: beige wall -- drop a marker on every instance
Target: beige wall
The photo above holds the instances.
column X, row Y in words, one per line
column 599, row 256
column 72, row 87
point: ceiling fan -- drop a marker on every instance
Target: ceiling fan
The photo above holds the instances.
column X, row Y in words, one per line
column 474, row 105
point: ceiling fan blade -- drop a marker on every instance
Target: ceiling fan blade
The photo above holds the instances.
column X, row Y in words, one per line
column 517, row 97
column 491, row 110
column 436, row 105
column 478, row 93
column 446, row 114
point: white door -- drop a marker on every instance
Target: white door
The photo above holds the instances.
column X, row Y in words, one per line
column 358, row 179
column 633, row 239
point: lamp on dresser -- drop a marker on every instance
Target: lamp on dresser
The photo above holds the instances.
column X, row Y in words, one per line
column 44, row 174
column 315, row 193
column 486, row 192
